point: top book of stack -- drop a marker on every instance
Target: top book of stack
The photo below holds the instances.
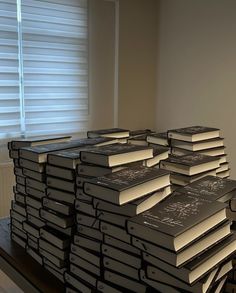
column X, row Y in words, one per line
column 111, row 132
column 194, row 133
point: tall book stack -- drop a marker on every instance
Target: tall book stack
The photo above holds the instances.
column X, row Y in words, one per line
column 19, row 211
column 200, row 139
column 104, row 204
column 186, row 244
column 189, row 168
column 29, row 213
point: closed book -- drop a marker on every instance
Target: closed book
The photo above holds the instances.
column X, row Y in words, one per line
column 60, row 263
column 21, row 188
column 26, row 142
column 17, row 216
column 134, row 207
column 58, row 275
column 126, row 185
column 33, row 211
column 182, row 180
column 216, row 151
column 60, row 253
column 20, row 241
column 86, row 220
column 35, row 203
column 35, row 192
column 71, row 157
column 224, row 174
column 32, row 244
column 159, row 153
column 41, row 186
column 199, row 145
column 83, row 275
column 17, row 224
column 85, row 207
column 198, row 267
column 34, row 166
column 21, row 233
column 124, row 282
column 108, row 132
column 65, row 185
column 69, row 231
column 87, row 242
column 223, row 167
column 59, row 195
column 138, row 140
column 118, row 220
column 60, row 172
column 56, row 218
column 178, row 220
column 129, row 248
column 18, row 207
column 34, row 175
column 224, row 269
column 190, row 164
column 115, row 231
column 185, row 255
column 39, row 153
column 20, row 179
column 194, row 133
column 55, row 237
column 122, row 256
column 50, row 264
column 106, row 287
column 78, row 284
column 80, row 195
column 116, row 154
column 60, row 207
column 160, row 287
column 89, row 255
column 18, row 171
column 35, row 221
column 162, row 278
column 84, row 264
column 213, row 188
column 158, row 138
column 95, row 170
column 121, row 268
column 90, row 232
column 31, row 229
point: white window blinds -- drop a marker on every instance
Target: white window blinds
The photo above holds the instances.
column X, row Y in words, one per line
column 54, row 66
column 9, row 78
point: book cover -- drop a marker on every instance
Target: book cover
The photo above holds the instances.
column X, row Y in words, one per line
column 173, row 217
column 113, row 187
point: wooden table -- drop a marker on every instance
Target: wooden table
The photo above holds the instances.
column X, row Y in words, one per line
column 22, row 268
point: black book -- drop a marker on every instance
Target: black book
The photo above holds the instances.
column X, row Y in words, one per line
column 27, row 164
column 60, row 207
column 212, row 187
column 41, row 186
column 35, row 192
column 134, row 207
column 20, row 198
column 138, row 140
column 60, row 172
column 19, row 208
column 198, row 145
column 47, row 246
column 84, row 264
column 89, row 232
column 89, row 255
column 77, row 283
column 158, row 138
column 87, row 243
column 59, row 195
column 190, row 164
column 95, row 170
column 34, row 175
column 109, row 132
column 81, row 274
column 208, row 240
column 13, row 154
column 198, row 267
column 17, row 144
column 125, row 282
column 35, row 221
column 64, row 185
column 36, row 256
column 121, row 268
column 126, row 185
column 138, row 132
column 20, row 241
column 159, row 153
column 194, row 133
column 39, row 153
column 114, row 242
column 177, row 221
column 115, row 231
column 31, row 229
column 60, row 263
column 116, row 154
column 57, row 274
column 182, row 180
column 216, row 151
column 57, row 218
column 55, row 237
column 17, row 216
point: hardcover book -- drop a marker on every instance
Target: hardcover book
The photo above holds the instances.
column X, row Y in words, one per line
column 55, row 237
column 116, row 154
column 212, row 187
column 194, row 133
column 198, row 267
column 178, row 220
column 109, row 132
column 159, row 153
column 198, row 145
column 158, row 138
column 126, row 185
column 190, row 164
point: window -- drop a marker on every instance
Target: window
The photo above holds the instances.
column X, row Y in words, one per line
column 43, row 67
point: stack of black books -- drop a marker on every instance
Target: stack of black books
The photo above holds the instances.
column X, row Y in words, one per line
column 186, row 244
column 189, row 168
column 19, row 211
column 200, row 139
column 102, row 210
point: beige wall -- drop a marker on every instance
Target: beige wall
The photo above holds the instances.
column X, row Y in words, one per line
column 137, row 63
column 197, row 67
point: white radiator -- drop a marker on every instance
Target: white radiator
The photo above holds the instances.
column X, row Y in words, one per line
column 7, row 180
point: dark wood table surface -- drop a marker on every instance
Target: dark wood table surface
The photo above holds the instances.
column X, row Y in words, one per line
column 22, row 268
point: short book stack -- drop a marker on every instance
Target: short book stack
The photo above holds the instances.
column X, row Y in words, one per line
column 200, row 139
